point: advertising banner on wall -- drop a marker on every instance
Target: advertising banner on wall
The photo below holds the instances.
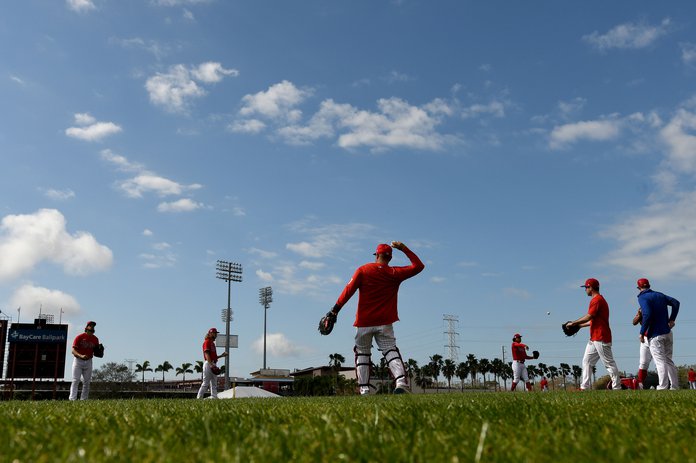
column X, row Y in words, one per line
column 37, row 350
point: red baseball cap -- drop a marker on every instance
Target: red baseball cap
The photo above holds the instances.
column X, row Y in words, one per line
column 516, row 335
column 591, row 283
column 383, row 249
column 212, row 330
column 643, row 283
column 90, row 323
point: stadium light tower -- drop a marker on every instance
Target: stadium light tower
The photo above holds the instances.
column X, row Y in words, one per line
column 265, row 298
column 228, row 271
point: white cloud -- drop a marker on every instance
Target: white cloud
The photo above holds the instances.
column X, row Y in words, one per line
column 567, row 134
column 175, row 89
column 91, row 130
column 679, row 135
column 211, row 72
column 314, row 266
column 628, row 36
column 80, row 6
column 30, row 298
column 180, row 205
column 27, row 240
column 395, row 124
column 278, row 345
column 325, row 240
column 437, row 279
column 155, row 261
column 264, row 254
column 17, row 80
column 494, row 108
column 146, row 182
column 688, row 53
column 265, row 276
column 568, row 108
column 659, row 240
column 120, row 162
column 147, row 232
column 59, row 195
column 178, row 2
column 277, row 103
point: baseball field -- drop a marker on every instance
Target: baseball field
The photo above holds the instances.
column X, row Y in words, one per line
column 462, row 427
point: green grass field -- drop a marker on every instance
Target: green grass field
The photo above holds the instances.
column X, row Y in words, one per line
column 584, row 427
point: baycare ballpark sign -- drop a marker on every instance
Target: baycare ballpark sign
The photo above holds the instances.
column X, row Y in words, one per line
column 19, row 335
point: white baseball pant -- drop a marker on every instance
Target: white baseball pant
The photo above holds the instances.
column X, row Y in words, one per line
column 594, row 351
column 692, row 384
column 519, row 372
column 661, row 348
column 645, row 355
column 209, row 381
column 386, row 343
column 81, row 369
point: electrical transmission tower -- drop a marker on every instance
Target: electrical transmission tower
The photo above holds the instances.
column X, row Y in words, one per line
column 452, row 349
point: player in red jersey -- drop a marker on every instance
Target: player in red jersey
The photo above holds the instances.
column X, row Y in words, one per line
column 377, row 311
column 692, row 378
column 83, row 351
column 599, row 346
column 211, row 357
column 519, row 355
column 544, row 384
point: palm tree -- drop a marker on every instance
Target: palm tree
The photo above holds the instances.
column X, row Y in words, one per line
column 484, row 366
column 565, row 371
column 553, row 372
column 576, row 371
column 462, row 372
column 473, row 367
column 424, row 375
column 411, row 369
column 164, row 367
column 448, row 370
column 543, row 369
column 436, row 367
column 497, row 367
column 198, row 368
column 143, row 368
column 183, row 369
column 335, row 362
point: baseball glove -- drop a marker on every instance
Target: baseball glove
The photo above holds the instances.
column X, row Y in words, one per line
column 535, row 354
column 327, row 322
column 570, row 330
column 99, row 350
column 215, row 369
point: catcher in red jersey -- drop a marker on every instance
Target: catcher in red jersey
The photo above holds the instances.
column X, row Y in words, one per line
column 83, row 351
column 210, row 368
column 519, row 355
column 377, row 311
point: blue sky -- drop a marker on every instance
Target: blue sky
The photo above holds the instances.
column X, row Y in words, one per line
column 517, row 148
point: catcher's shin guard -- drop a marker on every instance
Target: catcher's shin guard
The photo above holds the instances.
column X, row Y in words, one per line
column 396, row 366
column 363, row 364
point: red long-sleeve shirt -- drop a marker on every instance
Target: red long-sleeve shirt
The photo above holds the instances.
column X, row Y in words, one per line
column 379, row 288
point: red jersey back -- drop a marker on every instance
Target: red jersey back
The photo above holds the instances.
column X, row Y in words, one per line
column 519, row 351
column 379, row 288
column 85, row 343
column 209, row 345
column 599, row 325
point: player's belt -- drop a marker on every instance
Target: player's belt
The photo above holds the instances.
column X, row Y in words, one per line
column 520, row 361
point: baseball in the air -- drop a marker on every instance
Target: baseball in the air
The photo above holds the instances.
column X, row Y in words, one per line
column 548, row 313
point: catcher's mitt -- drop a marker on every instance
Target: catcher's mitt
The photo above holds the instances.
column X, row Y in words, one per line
column 327, row 322
column 215, row 369
column 99, row 350
column 535, row 354
column 570, row 330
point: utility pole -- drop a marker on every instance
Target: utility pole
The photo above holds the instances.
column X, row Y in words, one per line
column 228, row 271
